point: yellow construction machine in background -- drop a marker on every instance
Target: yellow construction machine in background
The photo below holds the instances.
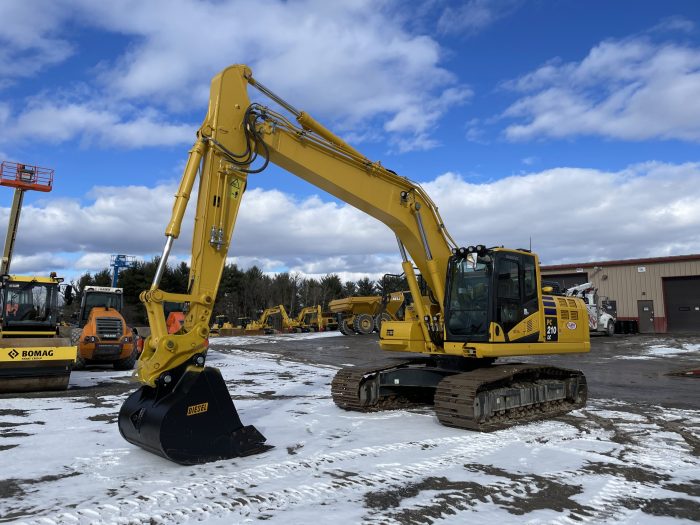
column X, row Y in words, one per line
column 103, row 336
column 310, row 319
column 356, row 314
column 32, row 356
column 221, row 326
column 266, row 323
column 365, row 314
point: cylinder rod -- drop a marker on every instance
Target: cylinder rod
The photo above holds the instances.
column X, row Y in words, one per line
column 402, row 250
column 163, row 262
column 424, row 238
column 286, row 105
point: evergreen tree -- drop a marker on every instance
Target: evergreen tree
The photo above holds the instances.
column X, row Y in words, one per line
column 349, row 289
column 365, row 287
column 331, row 288
column 392, row 283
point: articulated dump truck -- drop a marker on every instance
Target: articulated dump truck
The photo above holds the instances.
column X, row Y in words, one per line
column 356, row 315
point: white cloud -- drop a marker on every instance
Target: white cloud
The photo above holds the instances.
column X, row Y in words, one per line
column 92, row 262
column 674, row 24
column 28, row 37
column 346, row 62
column 575, row 214
column 572, row 215
column 631, row 90
column 474, row 16
column 38, row 263
column 93, row 124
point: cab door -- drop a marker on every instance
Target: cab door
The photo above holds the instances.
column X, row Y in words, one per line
column 516, row 289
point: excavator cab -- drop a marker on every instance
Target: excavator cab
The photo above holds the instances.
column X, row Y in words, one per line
column 486, row 287
column 494, row 296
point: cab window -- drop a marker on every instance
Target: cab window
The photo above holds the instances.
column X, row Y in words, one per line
column 516, row 279
column 508, row 305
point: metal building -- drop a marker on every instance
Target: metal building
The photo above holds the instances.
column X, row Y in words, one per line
column 660, row 294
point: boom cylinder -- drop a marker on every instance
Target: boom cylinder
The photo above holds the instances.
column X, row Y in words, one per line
column 402, row 249
column 421, row 229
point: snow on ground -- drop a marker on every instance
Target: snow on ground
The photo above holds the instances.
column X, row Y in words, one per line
column 654, row 351
column 62, row 461
column 242, row 340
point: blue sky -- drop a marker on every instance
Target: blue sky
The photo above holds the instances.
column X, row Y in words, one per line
column 574, row 123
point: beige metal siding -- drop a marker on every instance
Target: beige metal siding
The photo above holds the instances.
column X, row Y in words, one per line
column 626, row 285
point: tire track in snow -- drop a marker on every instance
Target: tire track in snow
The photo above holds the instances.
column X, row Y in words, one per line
column 606, row 505
column 221, row 495
column 213, row 497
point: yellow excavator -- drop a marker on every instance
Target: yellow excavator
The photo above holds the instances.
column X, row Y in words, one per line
column 32, row 356
column 489, row 301
column 310, row 319
column 262, row 325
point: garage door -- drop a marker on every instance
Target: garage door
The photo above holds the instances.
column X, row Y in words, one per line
column 682, row 295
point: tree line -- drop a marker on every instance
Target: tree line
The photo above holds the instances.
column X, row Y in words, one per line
column 242, row 293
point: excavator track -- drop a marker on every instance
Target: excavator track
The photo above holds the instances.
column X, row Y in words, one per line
column 357, row 388
column 498, row 397
column 483, row 399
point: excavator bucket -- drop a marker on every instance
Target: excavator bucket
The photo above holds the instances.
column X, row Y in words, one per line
column 35, row 364
column 193, row 422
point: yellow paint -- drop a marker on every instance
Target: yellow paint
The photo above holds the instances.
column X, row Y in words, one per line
column 37, row 353
column 197, row 409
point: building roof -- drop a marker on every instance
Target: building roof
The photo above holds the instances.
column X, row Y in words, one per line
column 624, row 262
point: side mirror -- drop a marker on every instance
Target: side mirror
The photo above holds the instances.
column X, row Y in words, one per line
column 68, row 294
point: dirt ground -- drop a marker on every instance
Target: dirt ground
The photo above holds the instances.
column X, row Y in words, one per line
column 616, row 368
column 633, row 402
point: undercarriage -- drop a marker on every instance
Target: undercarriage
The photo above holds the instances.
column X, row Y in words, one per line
column 467, row 393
